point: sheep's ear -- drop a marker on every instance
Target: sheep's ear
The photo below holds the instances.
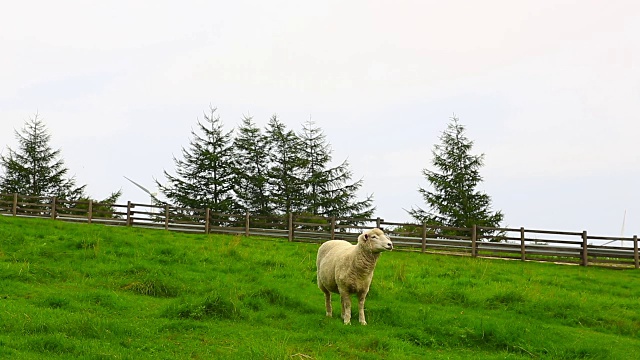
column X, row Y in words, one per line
column 366, row 236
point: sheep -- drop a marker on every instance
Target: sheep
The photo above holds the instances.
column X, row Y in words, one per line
column 347, row 269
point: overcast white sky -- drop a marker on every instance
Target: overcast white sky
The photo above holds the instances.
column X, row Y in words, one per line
column 548, row 90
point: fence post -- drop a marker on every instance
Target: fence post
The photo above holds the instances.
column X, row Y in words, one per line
column 207, row 222
column 246, row 224
column 15, row 204
column 378, row 220
column 635, row 251
column 585, row 259
column 90, row 212
column 424, row 237
column 474, row 239
column 333, row 228
column 166, row 217
column 523, row 249
column 129, row 219
column 53, row 207
column 290, row 226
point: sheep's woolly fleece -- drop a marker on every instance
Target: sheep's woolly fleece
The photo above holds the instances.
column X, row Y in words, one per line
column 347, row 269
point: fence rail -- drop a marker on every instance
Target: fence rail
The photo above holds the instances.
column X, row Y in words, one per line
column 512, row 243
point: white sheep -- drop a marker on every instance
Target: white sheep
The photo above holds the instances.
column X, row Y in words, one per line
column 347, row 269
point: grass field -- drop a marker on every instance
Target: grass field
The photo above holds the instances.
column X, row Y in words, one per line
column 78, row 291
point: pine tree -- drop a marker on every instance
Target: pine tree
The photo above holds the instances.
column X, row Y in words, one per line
column 251, row 163
column 35, row 169
column 204, row 177
column 329, row 191
column 286, row 187
column 454, row 200
column 317, row 154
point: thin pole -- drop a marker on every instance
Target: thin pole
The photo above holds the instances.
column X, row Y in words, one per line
column 635, row 251
column 333, row 228
column 585, row 258
column 15, row 204
column 246, row 224
column 523, row 249
column 290, row 226
column 424, row 237
column 474, row 237
column 207, row 222
column 166, row 217
column 53, row 207
column 129, row 219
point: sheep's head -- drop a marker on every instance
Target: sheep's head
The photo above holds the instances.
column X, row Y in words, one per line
column 376, row 240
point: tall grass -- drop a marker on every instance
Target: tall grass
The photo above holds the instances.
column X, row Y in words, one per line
column 94, row 292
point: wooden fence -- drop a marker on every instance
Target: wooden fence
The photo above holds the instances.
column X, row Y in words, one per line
column 511, row 243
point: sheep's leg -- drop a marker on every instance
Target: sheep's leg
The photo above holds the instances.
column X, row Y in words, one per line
column 361, row 298
column 327, row 302
column 346, row 307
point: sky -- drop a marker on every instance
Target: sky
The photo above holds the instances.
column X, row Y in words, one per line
column 549, row 91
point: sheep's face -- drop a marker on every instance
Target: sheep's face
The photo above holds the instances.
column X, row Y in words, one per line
column 377, row 240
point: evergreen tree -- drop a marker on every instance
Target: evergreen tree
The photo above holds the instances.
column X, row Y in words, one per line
column 317, row 154
column 286, row 187
column 35, row 169
column 329, row 190
column 204, row 177
column 251, row 163
column 454, row 200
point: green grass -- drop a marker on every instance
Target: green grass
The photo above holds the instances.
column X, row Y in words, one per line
column 77, row 291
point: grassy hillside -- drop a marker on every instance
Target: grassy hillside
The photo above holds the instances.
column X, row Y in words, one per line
column 82, row 291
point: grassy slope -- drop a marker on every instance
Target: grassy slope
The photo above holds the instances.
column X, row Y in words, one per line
column 95, row 292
